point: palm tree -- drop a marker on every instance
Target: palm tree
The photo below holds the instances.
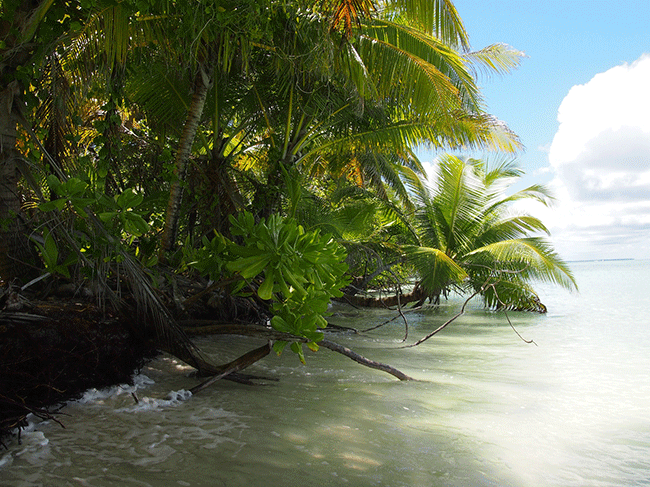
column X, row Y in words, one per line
column 343, row 112
column 19, row 23
column 470, row 239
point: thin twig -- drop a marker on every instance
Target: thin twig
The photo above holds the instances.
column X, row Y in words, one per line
column 446, row 323
column 508, row 318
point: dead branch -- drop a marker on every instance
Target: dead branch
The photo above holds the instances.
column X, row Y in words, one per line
column 235, row 366
column 270, row 334
column 363, row 360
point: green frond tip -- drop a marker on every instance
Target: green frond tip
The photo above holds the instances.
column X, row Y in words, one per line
column 533, row 256
column 498, row 59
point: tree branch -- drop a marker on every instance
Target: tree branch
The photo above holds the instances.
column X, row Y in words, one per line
column 363, row 360
column 235, row 366
column 446, row 323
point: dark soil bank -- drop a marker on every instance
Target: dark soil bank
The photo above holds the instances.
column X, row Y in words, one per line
column 56, row 351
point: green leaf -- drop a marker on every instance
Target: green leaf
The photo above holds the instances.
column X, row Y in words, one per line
column 265, row 291
column 278, row 346
column 107, row 216
column 249, row 266
column 129, row 199
column 297, row 348
column 135, row 224
column 53, row 182
column 278, row 323
column 50, row 248
column 57, row 204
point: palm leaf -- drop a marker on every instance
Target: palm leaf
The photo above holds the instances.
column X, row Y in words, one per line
column 513, row 295
column 436, row 269
column 535, row 259
column 438, row 79
column 510, row 228
column 438, row 18
column 496, row 58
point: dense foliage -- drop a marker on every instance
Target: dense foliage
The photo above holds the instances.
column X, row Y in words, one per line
column 263, row 143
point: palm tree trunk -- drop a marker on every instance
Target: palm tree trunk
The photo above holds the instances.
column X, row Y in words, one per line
column 172, row 217
column 15, row 251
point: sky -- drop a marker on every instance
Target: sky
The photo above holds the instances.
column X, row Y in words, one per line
column 580, row 103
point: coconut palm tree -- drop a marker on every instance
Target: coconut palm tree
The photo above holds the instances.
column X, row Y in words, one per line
column 343, row 112
column 471, row 239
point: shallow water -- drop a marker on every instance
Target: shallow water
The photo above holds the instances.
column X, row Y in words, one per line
column 489, row 409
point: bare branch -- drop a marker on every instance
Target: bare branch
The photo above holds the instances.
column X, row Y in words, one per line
column 235, row 366
column 508, row 318
column 446, row 323
column 363, row 360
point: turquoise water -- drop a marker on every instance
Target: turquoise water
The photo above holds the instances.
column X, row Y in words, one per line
column 488, row 409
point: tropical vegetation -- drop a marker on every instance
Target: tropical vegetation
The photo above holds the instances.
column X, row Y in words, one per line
column 256, row 154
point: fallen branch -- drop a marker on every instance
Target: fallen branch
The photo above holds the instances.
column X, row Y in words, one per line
column 209, row 327
column 363, row 360
column 258, row 331
column 235, row 366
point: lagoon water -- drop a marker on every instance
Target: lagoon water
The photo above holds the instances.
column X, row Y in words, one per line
column 488, row 410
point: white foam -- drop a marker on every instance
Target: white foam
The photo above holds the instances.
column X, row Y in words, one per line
column 174, row 398
column 33, row 448
column 6, row 460
column 140, row 381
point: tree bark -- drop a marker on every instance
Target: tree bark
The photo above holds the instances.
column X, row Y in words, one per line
column 16, row 255
column 172, row 217
column 360, row 359
column 235, row 366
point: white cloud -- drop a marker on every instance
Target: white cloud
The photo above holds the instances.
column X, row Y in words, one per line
column 600, row 159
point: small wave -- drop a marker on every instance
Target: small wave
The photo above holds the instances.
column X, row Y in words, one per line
column 174, row 398
column 140, row 381
column 32, row 448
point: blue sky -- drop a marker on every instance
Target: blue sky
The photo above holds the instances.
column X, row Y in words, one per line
column 585, row 64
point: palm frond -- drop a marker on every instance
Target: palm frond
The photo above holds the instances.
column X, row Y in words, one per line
column 436, row 269
column 438, row 79
column 438, row 18
column 537, row 192
column 346, row 15
column 535, row 257
column 163, row 95
column 497, row 58
column 514, row 295
column 54, row 114
column 510, row 228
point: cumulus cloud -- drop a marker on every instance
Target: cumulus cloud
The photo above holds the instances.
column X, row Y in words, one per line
column 600, row 161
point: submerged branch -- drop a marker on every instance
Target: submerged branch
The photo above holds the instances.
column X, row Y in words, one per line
column 235, row 366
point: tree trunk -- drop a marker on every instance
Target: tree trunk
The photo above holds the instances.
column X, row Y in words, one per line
column 172, row 217
column 16, row 255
